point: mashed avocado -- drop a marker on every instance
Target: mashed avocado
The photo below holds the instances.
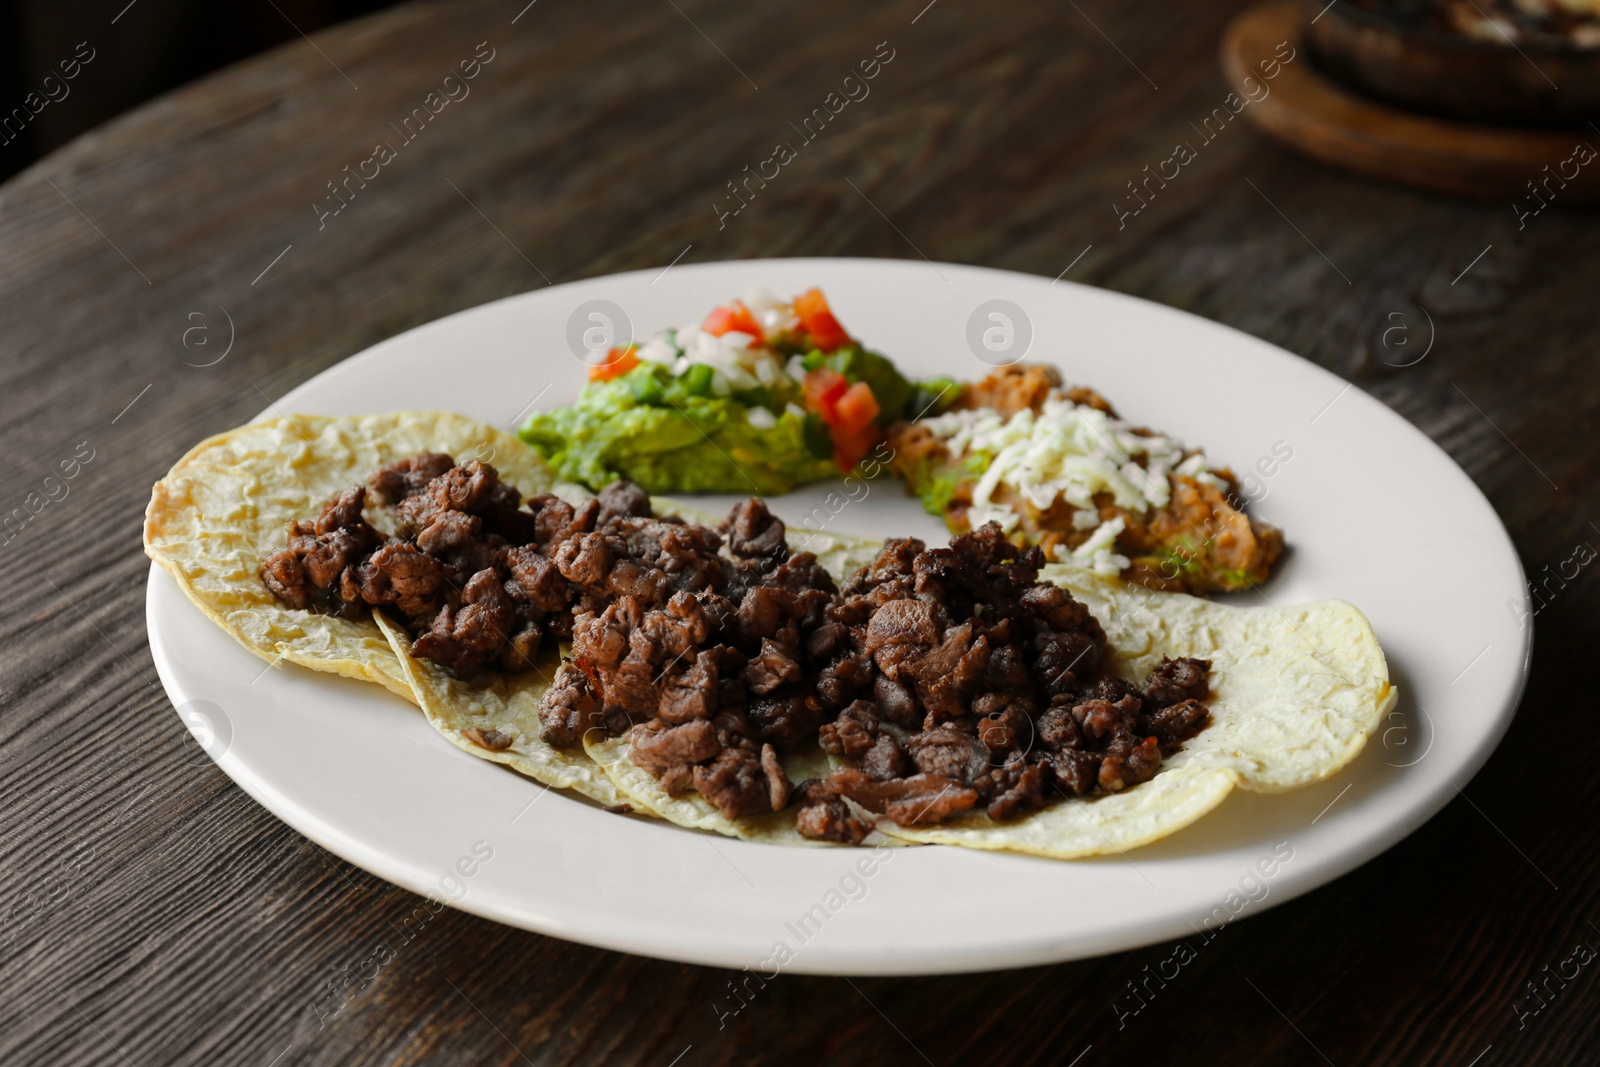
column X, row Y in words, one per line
column 688, row 444
column 762, row 397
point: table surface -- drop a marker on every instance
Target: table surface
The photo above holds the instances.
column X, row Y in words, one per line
column 154, row 914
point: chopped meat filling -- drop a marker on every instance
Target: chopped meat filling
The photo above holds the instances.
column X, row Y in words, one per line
column 832, row 820
column 983, row 688
column 941, row 681
column 656, row 746
column 570, row 709
column 1177, row 680
column 493, row 740
column 738, row 782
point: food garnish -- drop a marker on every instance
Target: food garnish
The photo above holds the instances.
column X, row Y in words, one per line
column 1058, row 468
column 762, row 396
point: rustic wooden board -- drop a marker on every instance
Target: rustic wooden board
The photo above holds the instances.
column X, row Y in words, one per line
column 1311, row 112
column 156, row 915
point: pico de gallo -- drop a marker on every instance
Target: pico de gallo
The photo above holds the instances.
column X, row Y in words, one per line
column 761, row 396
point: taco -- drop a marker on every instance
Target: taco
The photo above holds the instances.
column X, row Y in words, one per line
column 750, row 679
column 1122, row 715
column 225, row 508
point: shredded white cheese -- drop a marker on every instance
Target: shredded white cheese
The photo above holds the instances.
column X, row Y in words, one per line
column 1097, row 553
column 1071, row 452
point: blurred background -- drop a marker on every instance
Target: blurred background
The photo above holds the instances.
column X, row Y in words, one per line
column 174, row 42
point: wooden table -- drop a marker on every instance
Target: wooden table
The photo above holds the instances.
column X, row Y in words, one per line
column 157, row 915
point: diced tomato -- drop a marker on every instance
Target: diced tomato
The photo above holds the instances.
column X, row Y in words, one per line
column 851, row 446
column 856, row 408
column 811, row 307
column 618, row 361
column 735, row 318
column 823, row 387
column 848, row 410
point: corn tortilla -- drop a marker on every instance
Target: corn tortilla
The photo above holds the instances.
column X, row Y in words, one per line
column 508, row 705
column 228, row 504
column 1296, row 691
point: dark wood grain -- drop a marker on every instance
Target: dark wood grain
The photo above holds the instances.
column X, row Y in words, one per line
column 1308, row 108
column 154, row 914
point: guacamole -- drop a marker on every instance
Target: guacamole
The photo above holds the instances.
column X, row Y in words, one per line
column 696, row 444
column 762, row 397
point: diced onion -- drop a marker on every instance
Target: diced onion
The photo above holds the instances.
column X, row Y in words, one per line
column 759, row 299
column 657, row 350
column 737, row 377
column 778, row 320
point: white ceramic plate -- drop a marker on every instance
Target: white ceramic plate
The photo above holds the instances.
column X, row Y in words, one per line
column 1375, row 512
